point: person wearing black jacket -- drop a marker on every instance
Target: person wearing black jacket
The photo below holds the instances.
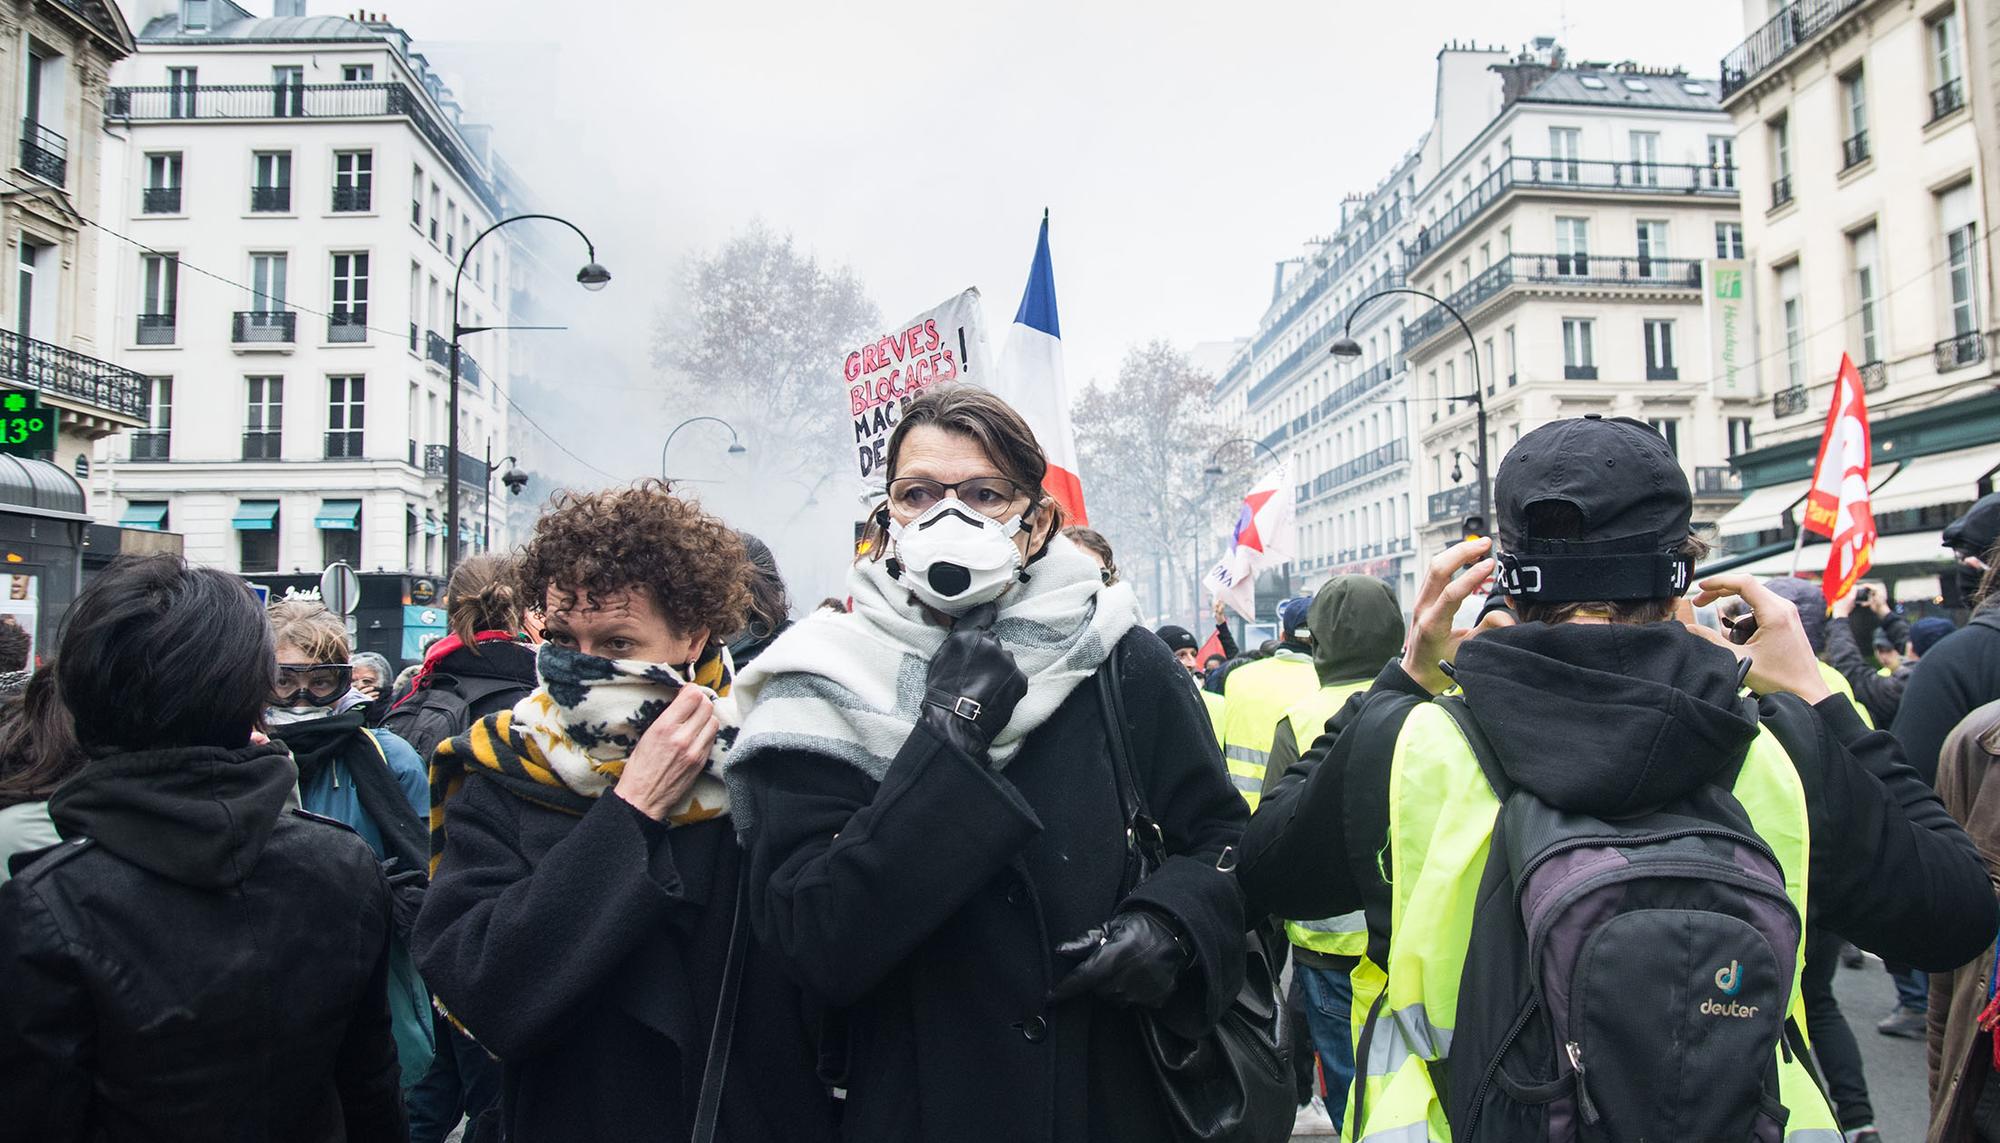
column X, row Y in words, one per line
column 1654, row 702
column 1881, row 694
column 197, row 960
column 1962, row 672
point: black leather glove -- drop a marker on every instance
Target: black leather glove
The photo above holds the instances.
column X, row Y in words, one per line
column 406, row 897
column 1133, row 959
column 972, row 685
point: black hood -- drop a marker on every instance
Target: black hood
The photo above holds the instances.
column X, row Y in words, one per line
column 1607, row 719
column 197, row 815
column 494, row 659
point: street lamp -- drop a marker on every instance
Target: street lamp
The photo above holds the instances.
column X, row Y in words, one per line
column 735, row 443
column 592, row 277
column 1346, row 346
column 1214, row 470
column 513, row 478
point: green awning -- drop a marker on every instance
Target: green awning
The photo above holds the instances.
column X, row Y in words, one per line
column 339, row 515
column 149, row 514
column 255, row 516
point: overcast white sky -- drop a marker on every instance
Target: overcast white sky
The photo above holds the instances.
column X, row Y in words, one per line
column 1181, row 147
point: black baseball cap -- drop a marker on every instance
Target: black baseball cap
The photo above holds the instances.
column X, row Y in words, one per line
column 1633, row 510
column 1177, row 638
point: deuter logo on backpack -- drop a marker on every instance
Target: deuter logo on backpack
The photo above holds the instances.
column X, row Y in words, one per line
column 1730, row 981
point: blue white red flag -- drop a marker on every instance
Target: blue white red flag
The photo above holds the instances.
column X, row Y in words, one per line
column 1032, row 380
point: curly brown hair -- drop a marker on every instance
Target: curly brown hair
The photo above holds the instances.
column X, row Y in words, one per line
column 642, row 537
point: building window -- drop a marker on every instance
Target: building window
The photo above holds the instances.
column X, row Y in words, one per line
column 1565, row 149
column 1781, row 161
column 271, row 188
column 353, row 180
column 1955, row 208
column 288, row 92
column 1721, row 161
column 1739, row 436
column 194, row 15
column 1729, row 240
column 1491, row 367
column 1660, row 364
column 357, row 73
column 1670, row 429
column 159, row 301
column 181, row 91
column 1854, row 114
column 1792, row 321
column 1573, row 246
column 451, row 230
column 1948, row 92
column 263, row 418
column 344, row 417
column 1863, row 255
column 154, row 442
column 267, row 284
column 163, row 183
column 44, row 150
column 436, row 198
column 257, row 547
column 1579, row 353
column 417, row 198
column 1652, row 244
column 349, row 320
column 341, row 545
column 1513, row 362
column 1645, row 158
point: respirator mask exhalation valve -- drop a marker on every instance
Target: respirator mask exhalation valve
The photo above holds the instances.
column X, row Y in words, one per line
column 953, row 559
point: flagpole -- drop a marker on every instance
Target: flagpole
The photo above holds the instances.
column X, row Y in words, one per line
column 1798, row 545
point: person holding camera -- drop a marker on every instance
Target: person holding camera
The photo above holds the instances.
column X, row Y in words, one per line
column 937, row 846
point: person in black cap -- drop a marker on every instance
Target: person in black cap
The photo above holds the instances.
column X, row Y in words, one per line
column 1181, row 642
column 1593, row 705
column 1962, row 672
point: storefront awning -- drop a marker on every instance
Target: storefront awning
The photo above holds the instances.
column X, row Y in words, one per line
column 1912, row 549
column 1927, row 481
column 255, row 516
column 1763, row 510
column 151, row 515
column 338, row 515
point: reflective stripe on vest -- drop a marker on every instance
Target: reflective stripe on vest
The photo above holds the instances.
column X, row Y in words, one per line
column 1255, row 697
column 1441, row 816
column 1345, row 935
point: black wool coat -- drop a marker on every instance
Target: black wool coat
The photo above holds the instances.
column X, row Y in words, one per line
column 587, row 954
column 928, row 907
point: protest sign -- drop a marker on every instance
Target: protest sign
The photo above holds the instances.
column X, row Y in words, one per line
column 944, row 344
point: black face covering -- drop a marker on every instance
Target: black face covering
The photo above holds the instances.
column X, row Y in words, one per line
column 1969, row 579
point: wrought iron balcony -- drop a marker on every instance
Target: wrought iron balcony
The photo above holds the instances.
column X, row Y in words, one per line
column 1789, row 401
column 1854, row 150
column 1366, row 464
column 44, row 154
column 31, row 364
column 151, row 444
column 347, row 325
column 1276, row 436
column 1717, row 480
column 1454, row 503
column 262, row 444
column 1960, row 351
column 344, row 444
column 471, row 469
column 1795, row 23
column 1947, row 98
column 302, row 101
column 1662, row 372
column 1582, row 270
column 437, row 350
column 1354, row 390
column 264, row 327
column 470, row 373
column 161, row 200
column 1587, row 176
column 352, row 198
column 155, row 329
column 271, row 200
column 1781, row 191
column 1579, row 372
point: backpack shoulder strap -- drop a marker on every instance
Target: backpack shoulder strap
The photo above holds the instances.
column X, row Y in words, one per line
column 1482, row 747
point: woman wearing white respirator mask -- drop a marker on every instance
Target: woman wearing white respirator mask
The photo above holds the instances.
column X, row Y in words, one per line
column 584, row 920
column 925, row 787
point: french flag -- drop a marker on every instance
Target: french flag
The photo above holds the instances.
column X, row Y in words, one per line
column 1033, row 382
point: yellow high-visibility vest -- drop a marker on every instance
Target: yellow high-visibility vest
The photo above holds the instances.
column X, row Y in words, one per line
column 1216, row 708
column 1256, row 695
column 1347, row 934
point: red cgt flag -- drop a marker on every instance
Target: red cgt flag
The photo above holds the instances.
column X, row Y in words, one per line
column 1837, row 505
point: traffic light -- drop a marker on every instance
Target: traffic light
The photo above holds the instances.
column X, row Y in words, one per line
column 1474, row 528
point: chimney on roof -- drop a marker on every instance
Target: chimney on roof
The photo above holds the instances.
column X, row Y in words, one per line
column 1526, row 71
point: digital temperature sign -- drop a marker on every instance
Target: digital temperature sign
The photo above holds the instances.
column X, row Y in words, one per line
column 26, row 427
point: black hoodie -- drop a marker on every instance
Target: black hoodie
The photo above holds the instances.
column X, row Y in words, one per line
column 185, row 886
column 1607, row 719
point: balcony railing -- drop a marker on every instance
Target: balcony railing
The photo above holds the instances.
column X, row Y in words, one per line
column 1276, row 436
column 1354, row 390
column 1662, row 372
column 44, row 154
column 301, row 101
column 1454, row 503
column 1789, row 401
column 352, row 198
column 469, row 372
column 161, row 200
column 1781, row 191
column 31, row 364
column 151, row 444
column 270, row 200
column 264, row 327
column 1357, row 248
column 262, row 444
column 1587, row 270
column 1717, row 480
column 471, row 469
column 1317, row 341
column 1960, row 351
column 437, row 350
column 343, row 444
column 1369, row 462
column 1947, row 98
column 1579, row 372
column 347, row 326
column 1874, row 376
column 1797, row 22
column 1854, row 150
column 1594, row 176
column 155, row 329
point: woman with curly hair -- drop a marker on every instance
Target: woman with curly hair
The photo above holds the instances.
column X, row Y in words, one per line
column 583, row 921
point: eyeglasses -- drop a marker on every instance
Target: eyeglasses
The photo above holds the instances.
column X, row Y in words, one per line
column 319, row 684
column 990, row 496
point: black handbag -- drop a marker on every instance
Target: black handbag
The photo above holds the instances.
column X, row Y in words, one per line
column 1230, row 1085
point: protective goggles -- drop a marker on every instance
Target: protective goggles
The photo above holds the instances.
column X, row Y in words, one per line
column 314, row 684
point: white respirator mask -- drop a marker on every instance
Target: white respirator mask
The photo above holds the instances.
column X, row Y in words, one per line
column 954, row 559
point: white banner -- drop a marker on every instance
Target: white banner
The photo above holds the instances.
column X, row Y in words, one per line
column 944, row 344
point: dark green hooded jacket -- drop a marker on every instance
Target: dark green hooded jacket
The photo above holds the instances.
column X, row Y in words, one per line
column 1356, row 630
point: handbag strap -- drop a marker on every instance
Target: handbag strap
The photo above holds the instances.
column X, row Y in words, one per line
column 1141, row 834
column 709, row 1107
